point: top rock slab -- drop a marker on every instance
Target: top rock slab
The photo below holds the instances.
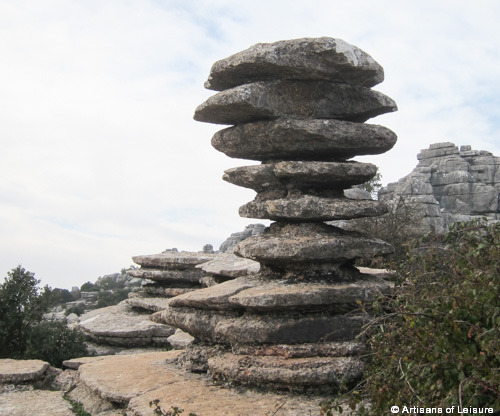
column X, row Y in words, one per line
column 307, row 58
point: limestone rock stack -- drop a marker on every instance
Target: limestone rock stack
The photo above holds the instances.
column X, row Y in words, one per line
column 169, row 273
column 299, row 107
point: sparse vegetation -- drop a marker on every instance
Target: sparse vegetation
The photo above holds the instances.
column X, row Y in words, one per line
column 436, row 340
column 23, row 335
column 159, row 411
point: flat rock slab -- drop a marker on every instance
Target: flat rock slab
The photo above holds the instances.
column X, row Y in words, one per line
column 306, row 58
column 194, row 394
column 286, row 244
column 311, row 208
column 320, row 140
column 173, row 276
column 119, row 325
column 293, row 99
column 16, row 371
column 75, row 363
column 335, row 297
column 180, row 340
column 300, row 175
column 176, row 260
column 229, row 265
column 120, row 378
column 35, row 402
column 215, row 297
column 317, row 349
column 326, row 373
column 139, row 379
column 227, row 327
column 158, row 290
column 149, row 304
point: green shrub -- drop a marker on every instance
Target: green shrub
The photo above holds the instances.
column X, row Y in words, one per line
column 108, row 298
column 22, row 304
column 89, row 287
column 78, row 309
column 436, row 342
column 22, row 333
column 54, row 342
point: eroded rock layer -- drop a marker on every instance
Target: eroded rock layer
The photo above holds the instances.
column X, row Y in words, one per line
column 298, row 107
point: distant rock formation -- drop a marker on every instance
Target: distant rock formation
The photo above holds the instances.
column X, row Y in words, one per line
column 249, row 231
column 448, row 185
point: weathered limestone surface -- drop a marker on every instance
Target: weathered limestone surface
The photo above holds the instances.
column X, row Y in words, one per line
column 133, row 381
column 315, row 243
column 300, row 175
column 448, row 185
column 278, row 371
column 290, row 139
column 17, row 371
column 171, row 259
column 180, row 340
column 35, row 402
column 229, row 265
column 302, row 118
column 146, row 303
column 250, row 230
column 311, row 208
column 119, row 325
column 306, row 58
column 294, row 99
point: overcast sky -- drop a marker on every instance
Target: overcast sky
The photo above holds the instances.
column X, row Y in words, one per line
column 100, row 159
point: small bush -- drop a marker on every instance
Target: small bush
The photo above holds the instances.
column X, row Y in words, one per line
column 108, row 298
column 89, row 287
column 54, row 342
column 436, row 342
column 78, row 309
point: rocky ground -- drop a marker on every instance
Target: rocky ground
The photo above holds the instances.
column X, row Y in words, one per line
column 127, row 384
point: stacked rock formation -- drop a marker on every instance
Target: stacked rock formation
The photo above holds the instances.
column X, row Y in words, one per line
column 298, row 107
column 447, row 185
column 170, row 273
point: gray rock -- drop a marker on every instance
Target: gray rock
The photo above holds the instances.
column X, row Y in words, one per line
column 289, row 328
column 230, row 327
column 300, row 175
column 36, row 402
column 448, row 185
column 229, row 265
column 290, row 373
column 118, row 325
column 320, row 140
column 288, row 244
column 180, row 340
column 18, row 371
column 357, row 194
column 147, row 303
column 214, row 297
column 173, row 276
column 250, row 230
column 318, row 349
column 335, row 297
column 321, row 58
column 172, row 260
column 293, row 99
column 311, row 208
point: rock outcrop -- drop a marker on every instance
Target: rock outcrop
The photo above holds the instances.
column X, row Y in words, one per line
column 250, row 230
column 19, row 380
column 298, row 107
column 448, row 185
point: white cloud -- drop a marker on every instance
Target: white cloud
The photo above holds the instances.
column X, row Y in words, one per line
column 100, row 158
